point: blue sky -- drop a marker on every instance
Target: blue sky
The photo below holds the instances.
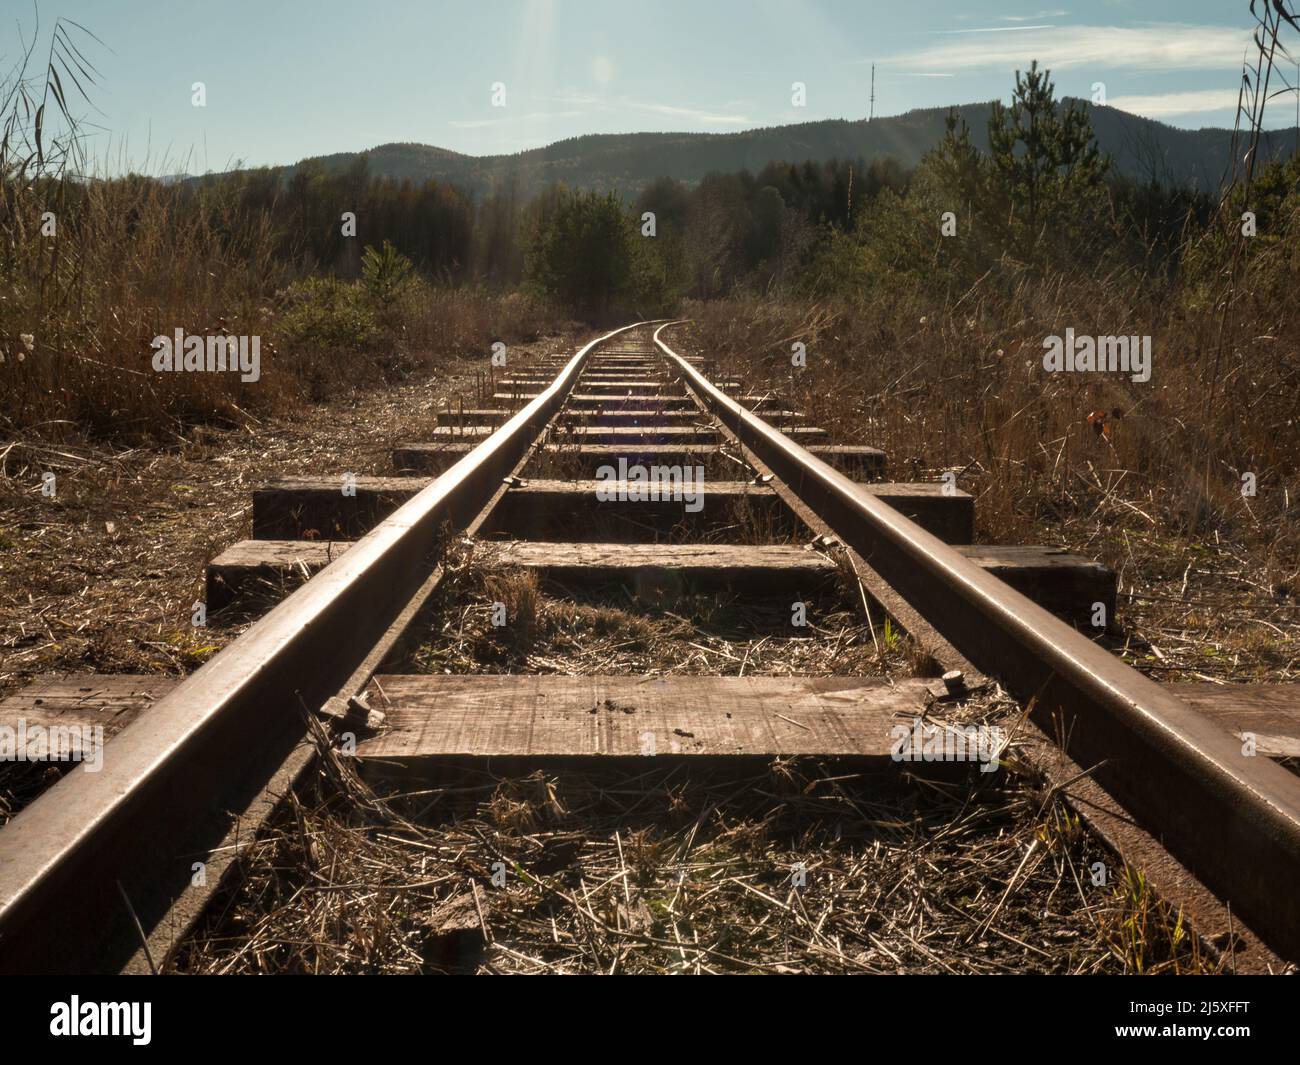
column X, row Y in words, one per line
column 289, row 78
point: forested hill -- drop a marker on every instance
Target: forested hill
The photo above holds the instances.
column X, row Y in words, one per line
column 1141, row 148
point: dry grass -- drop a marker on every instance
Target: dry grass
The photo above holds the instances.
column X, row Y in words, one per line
column 102, row 576
column 1208, row 577
column 133, row 259
column 668, row 872
column 657, row 628
column 797, row 867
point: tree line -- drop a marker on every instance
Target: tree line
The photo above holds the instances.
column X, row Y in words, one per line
column 1041, row 197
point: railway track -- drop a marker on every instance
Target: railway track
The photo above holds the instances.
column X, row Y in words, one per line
column 106, row 871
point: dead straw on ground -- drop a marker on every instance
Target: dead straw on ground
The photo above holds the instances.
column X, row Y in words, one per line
column 797, row 866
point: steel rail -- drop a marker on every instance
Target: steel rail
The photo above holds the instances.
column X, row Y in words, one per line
column 1233, row 820
column 133, row 830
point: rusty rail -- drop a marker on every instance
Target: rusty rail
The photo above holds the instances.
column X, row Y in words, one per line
column 1233, row 820
column 134, row 829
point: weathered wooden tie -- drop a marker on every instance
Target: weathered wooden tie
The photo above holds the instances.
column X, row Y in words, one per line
column 649, row 418
column 553, row 510
column 435, row 719
column 477, row 717
column 255, row 573
column 857, row 460
column 596, row 401
column 318, row 508
column 660, row 434
column 595, row 510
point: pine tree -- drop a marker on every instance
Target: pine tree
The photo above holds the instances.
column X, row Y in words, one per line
column 1047, row 168
column 582, row 250
column 957, row 164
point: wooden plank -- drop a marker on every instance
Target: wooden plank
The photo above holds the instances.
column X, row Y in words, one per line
column 456, row 432
column 619, row 434
column 315, row 507
column 844, row 714
column 572, row 510
column 78, row 701
column 949, row 517
column 647, row 387
column 473, row 416
column 595, row 401
column 1066, row 584
column 1270, row 713
column 254, row 573
column 545, row 503
column 782, row 415
column 616, row 376
column 433, row 458
column 601, row 382
column 613, row 413
column 449, row 717
column 662, row 434
column 633, row 451
column 294, row 507
column 567, row 461
column 649, row 420
column 649, row 400
column 856, row 460
column 752, row 569
column 494, row 716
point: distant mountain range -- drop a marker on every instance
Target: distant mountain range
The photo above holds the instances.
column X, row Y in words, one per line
column 1140, row 147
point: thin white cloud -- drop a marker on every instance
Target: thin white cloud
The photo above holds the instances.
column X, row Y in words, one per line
column 573, row 96
column 1168, row 46
column 997, row 29
column 1035, row 15
column 722, row 115
column 1058, row 13
column 708, row 118
column 1193, row 101
column 504, row 120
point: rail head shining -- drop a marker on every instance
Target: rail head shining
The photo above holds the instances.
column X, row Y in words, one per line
column 68, row 859
column 1233, row 819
